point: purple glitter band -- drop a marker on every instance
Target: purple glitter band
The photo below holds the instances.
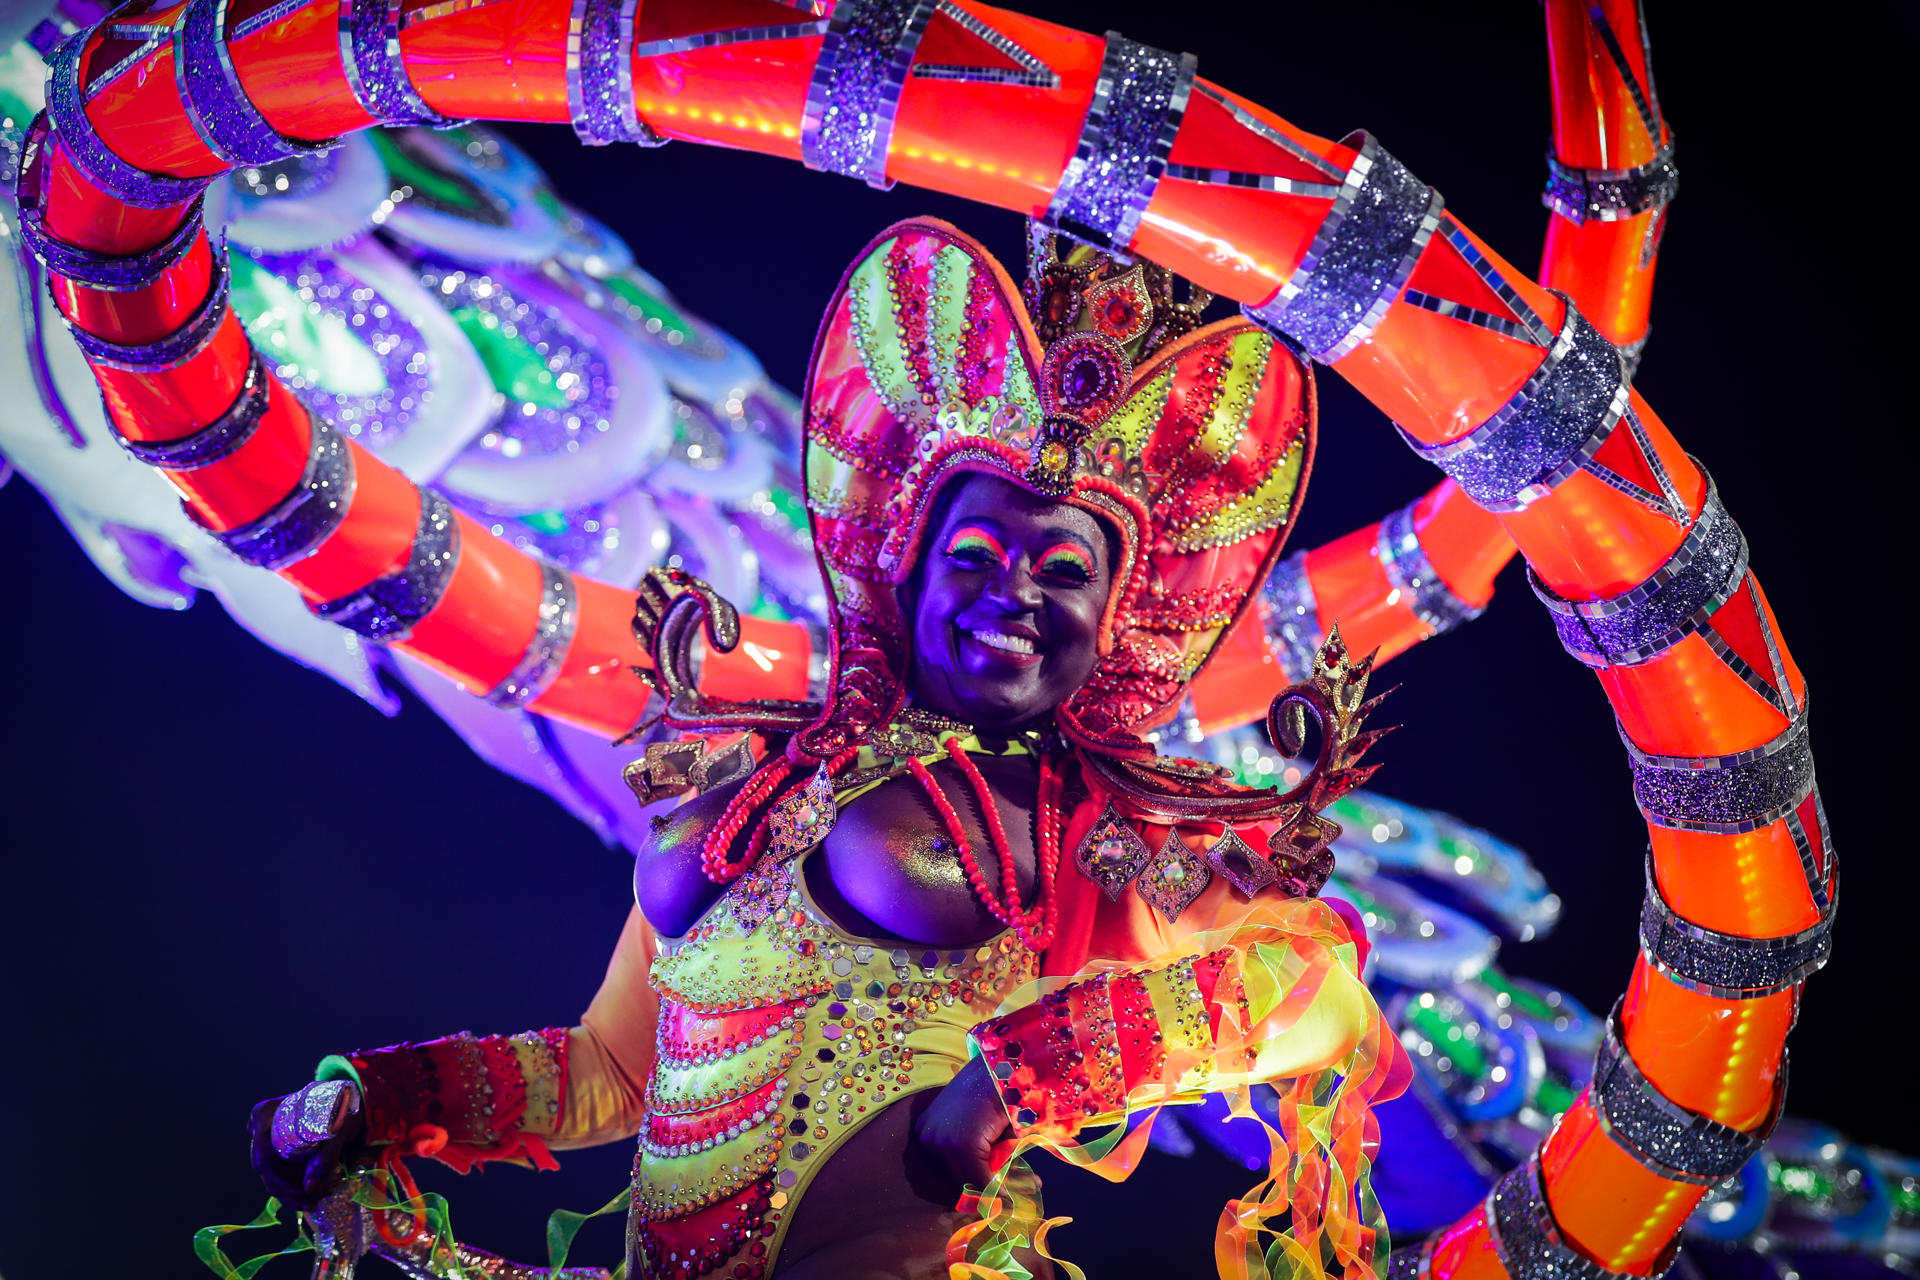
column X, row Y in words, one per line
column 864, row 59
column 1729, row 965
column 219, row 438
column 1410, row 572
column 1680, row 598
column 377, row 74
column 386, row 609
column 1138, row 104
column 600, row 75
column 1663, row 1136
column 1548, row 430
column 136, row 187
column 172, row 351
column 1359, row 260
column 1611, row 195
column 405, row 363
column 217, row 106
column 1727, row 795
column 306, row 517
column 546, row 652
column 115, row 274
column 1293, row 616
column 1526, row 1238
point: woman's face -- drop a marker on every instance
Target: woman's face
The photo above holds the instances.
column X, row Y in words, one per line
column 1005, row 604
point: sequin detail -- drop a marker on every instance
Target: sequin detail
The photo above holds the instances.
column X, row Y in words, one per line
column 106, row 170
column 216, row 105
column 864, row 59
column 1677, row 600
column 1138, row 104
column 1411, row 573
column 218, row 439
column 1547, row 430
column 1729, row 965
column 296, row 525
column 1725, row 794
column 546, row 651
column 387, row 608
column 376, row 73
column 600, row 74
column 1359, row 260
column 1293, row 617
column 1670, row 1140
column 1611, row 195
column 780, row 1038
column 1527, row 1239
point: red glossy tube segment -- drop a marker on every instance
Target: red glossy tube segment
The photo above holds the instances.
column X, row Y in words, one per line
column 373, row 538
column 501, row 61
column 142, row 115
column 1596, row 124
column 171, row 403
column 481, row 626
column 596, row 687
column 1605, row 1201
column 140, row 315
column 293, row 73
column 1466, row 546
column 1735, row 883
column 1606, row 269
column 1465, row 1251
column 1718, row 1057
column 82, row 215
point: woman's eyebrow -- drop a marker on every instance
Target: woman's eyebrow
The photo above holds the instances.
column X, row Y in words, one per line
column 1057, row 534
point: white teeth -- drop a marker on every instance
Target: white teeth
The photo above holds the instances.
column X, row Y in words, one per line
column 1000, row 640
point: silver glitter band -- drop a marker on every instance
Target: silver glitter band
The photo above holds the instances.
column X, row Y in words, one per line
column 600, row 74
column 546, row 652
column 1611, row 195
column 864, row 59
column 296, row 525
column 1526, row 1238
column 170, row 351
column 1411, row 574
column 96, row 160
column 219, row 438
column 1726, row 795
column 109, row 272
column 1666, row 1138
column 1293, row 617
column 1548, row 430
column 386, row 609
column 1676, row 601
column 1359, row 260
column 1138, row 104
column 1410, row 1264
column 311, row 1114
column 375, row 71
column 216, row 105
column 1729, row 966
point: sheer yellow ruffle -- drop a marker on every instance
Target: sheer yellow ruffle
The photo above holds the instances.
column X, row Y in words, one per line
column 1294, row 1013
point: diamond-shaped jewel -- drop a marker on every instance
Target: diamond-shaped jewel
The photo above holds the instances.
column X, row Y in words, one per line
column 803, row 818
column 1111, row 853
column 1245, row 868
column 1173, row 879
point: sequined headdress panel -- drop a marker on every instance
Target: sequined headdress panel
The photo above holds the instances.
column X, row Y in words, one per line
column 929, row 365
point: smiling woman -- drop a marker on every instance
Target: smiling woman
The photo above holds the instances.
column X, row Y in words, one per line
column 1007, row 616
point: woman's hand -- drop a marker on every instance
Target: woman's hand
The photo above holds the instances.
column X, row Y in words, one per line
column 964, row 1123
column 300, row 1142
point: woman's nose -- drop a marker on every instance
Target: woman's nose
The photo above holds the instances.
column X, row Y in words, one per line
column 1014, row 589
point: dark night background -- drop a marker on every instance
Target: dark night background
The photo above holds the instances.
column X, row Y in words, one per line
column 220, row 866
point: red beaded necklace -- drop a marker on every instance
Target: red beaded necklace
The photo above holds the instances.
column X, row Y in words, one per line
column 1035, row 927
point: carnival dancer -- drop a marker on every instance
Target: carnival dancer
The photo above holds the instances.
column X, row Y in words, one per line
column 1335, row 246
column 1032, row 536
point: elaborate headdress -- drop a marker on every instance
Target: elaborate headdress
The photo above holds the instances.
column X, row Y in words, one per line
column 1192, row 441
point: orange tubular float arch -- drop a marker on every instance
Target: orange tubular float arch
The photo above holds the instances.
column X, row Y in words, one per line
column 1520, row 397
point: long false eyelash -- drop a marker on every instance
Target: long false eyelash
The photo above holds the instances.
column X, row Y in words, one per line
column 972, row 538
column 1065, row 554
